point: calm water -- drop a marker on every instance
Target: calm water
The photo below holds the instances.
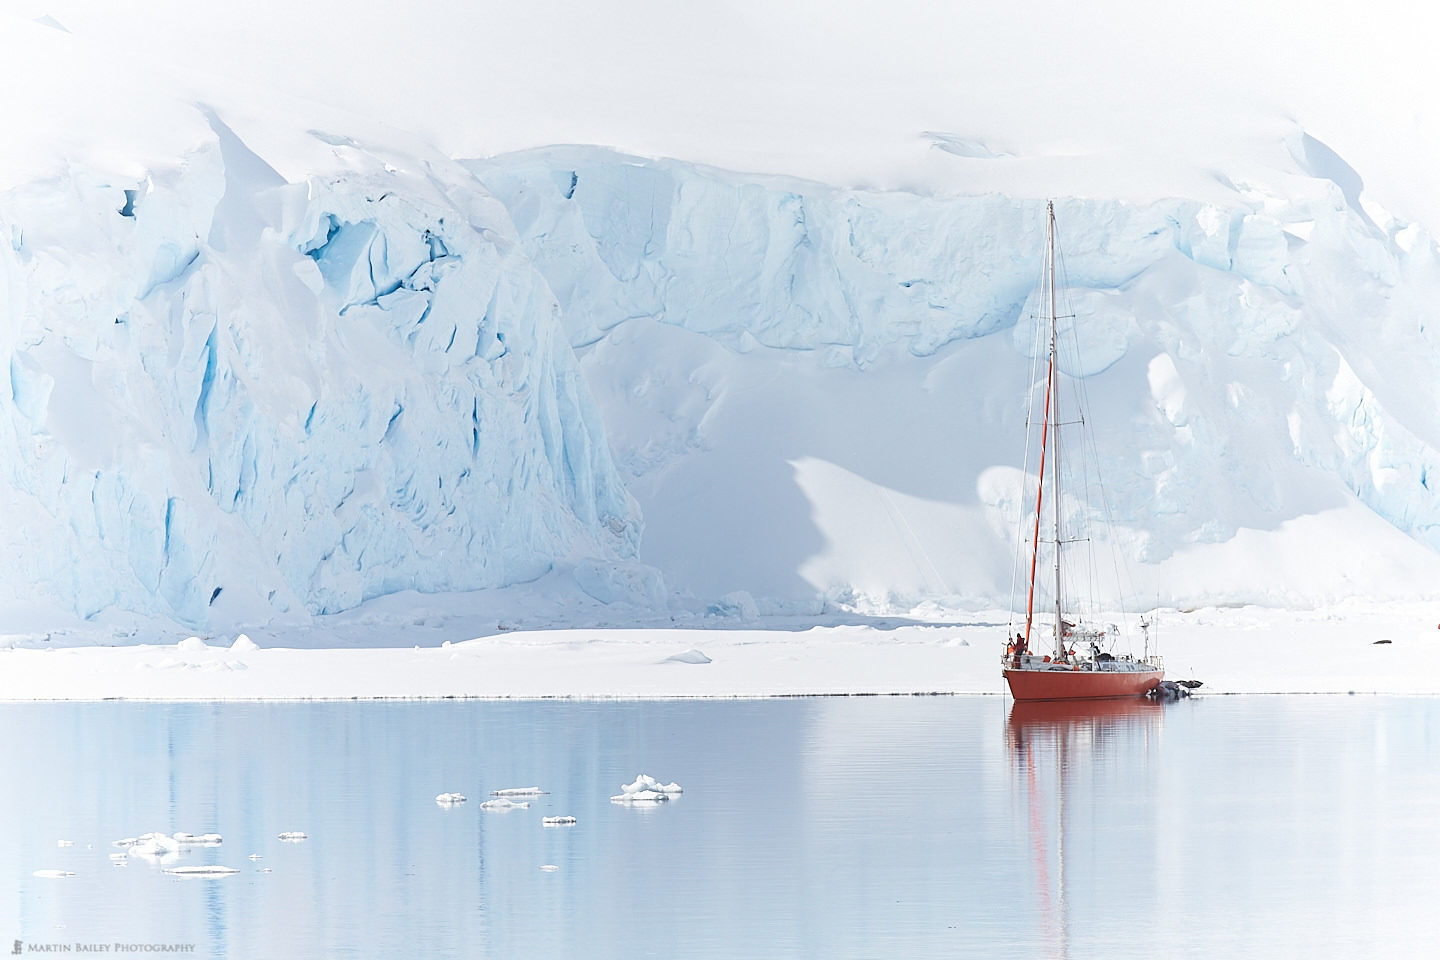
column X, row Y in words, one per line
column 859, row 827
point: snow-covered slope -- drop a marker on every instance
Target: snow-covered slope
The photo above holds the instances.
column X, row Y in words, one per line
column 841, row 400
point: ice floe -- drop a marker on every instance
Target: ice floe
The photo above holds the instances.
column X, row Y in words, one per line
column 689, row 656
column 646, row 789
column 504, row 803
column 549, row 867
column 54, row 874
column 293, row 836
column 210, row 871
column 518, row 792
column 557, row 821
column 198, row 840
column 156, row 847
column 450, row 799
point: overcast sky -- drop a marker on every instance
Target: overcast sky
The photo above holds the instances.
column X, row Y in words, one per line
column 837, row 90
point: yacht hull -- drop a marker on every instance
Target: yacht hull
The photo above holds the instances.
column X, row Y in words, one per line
column 1058, row 683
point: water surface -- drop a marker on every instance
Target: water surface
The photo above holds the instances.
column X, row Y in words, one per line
column 826, row 827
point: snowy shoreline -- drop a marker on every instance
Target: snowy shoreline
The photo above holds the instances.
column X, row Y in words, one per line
column 1234, row 651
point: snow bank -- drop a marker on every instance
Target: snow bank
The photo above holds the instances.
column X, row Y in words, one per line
column 1232, row 650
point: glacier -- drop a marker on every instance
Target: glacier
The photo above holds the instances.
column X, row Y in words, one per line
column 842, row 389
column 230, row 396
column 254, row 370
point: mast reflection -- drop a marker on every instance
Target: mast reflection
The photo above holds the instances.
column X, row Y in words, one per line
column 1051, row 744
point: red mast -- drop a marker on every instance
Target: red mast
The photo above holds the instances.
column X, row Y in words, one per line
column 1039, row 496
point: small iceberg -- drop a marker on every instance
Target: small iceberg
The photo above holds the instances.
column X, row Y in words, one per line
column 64, row 843
column 293, row 836
column 243, row 644
column 202, row 871
column 518, row 792
column 256, row 856
column 198, row 840
column 549, row 867
column 688, row 656
column 557, row 821
column 646, row 789
column 156, row 847
column 504, row 803
column 54, row 874
column 450, row 799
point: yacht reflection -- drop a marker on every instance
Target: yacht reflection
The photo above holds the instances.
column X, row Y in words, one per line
column 1051, row 743
column 1078, row 719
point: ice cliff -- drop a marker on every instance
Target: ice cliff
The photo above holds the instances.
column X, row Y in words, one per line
column 1261, row 360
column 251, row 369
column 228, row 394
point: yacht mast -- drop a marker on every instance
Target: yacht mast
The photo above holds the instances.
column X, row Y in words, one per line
column 1053, row 388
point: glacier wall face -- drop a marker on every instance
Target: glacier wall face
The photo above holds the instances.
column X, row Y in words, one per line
column 1266, row 359
column 228, row 397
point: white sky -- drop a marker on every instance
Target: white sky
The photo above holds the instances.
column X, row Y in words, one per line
column 839, row 90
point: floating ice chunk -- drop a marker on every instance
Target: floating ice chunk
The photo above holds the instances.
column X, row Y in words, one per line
column 293, row 836
column 644, row 782
column 192, row 645
column 54, row 874
column 198, row 840
column 256, row 856
column 641, row 796
column 518, row 792
column 688, row 656
column 450, row 799
column 549, row 867
column 202, row 871
column 504, row 803
column 127, row 842
column 64, row 843
column 156, row 847
column 243, row 644
column 557, row 821
column 120, row 857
